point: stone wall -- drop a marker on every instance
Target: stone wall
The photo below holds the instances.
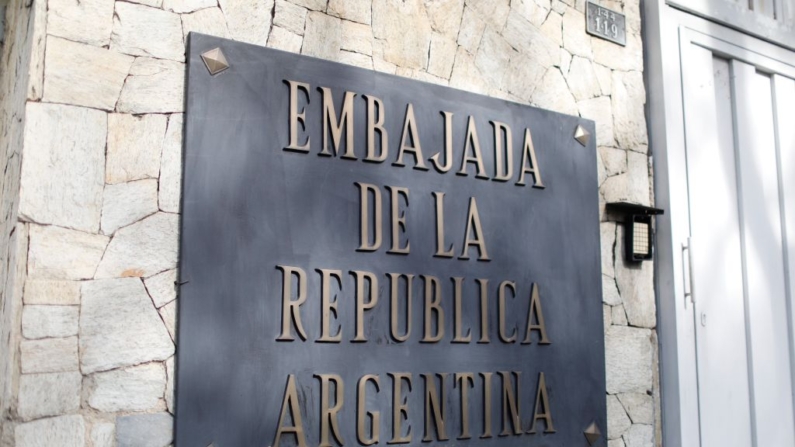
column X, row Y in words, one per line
column 92, row 230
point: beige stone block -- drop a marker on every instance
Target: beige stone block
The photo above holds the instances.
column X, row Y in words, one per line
column 143, row 31
column 162, row 287
column 63, row 431
column 290, row 17
column 640, row 407
column 610, row 294
column 210, row 21
column 553, row 28
column 606, row 316
column 42, row 395
column 605, row 77
column 170, row 374
column 636, row 282
column 493, row 12
column 119, row 326
column 526, row 38
column 154, row 86
column 354, row 10
column 628, row 358
column 87, row 21
column 600, row 110
column 553, row 94
column 248, row 20
column 615, row 160
column 383, row 66
column 83, row 75
column 445, row 16
column 58, row 253
column 472, row 27
column 61, row 175
column 617, row 420
column 619, row 316
column 314, row 5
column 534, row 11
column 133, row 389
column 466, row 75
column 322, row 37
column 102, row 434
column 356, row 59
column 126, row 203
column 632, row 186
column 575, row 39
column 616, row 443
column 183, row 6
column 357, row 38
column 142, row 249
column 525, row 76
column 629, row 119
column 49, row 355
column 134, row 147
column 405, row 31
column 582, row 79
column 493, row 59
column 171, row 166
column 640, row 436
column 284, row 40
column 152, row 3
column 169, row 315
column 617, row 57
column 442, row 56
column 49, row 321
column 52, row 292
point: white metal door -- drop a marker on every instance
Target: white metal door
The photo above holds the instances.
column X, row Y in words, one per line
column 739, row 135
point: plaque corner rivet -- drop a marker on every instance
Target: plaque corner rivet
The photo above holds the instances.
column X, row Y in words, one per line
column 215, row 61
column 592, row 433
column 581, row 135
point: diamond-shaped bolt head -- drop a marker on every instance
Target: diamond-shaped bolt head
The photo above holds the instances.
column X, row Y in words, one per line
column 592, row 433
column 215, row 61
column 582, row 135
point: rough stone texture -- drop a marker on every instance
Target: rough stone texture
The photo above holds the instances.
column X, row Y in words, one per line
column 143, row 31
column 88, row 21
column 472, row 27
column 629, row 95
column 605, row 78
column 635, row 282
column 599, row 110
column 134, row 389
column 553, row 28
column 183, row 6
column 143, row 248
column 42, row 395
column 144, row 430
column 358, row 38
column 626, row 58
column 632, row 186
column 575, row 40
column 610, row 293
column 93, row 82
column 524, row 37
column 616, row 443
column 314, row 5
column 171, row 166
column 154, row 86
column 607, row 232
column 52, row 292
column 49, row 355
column 553, row 94
column 628, row 357
column 354, row 10
column 355, row 59
column 582, row 79
column 102, row 434
column 248, row 20
column 466, row 75
column 442, row 56
column 134, row 147
column 162, row 287
column 405, row 30
column 126, row 203
column 49, row 321
column 494, row 12
column 619, row 316
column 58, row 253
column 62, row 169
column 493, row 59
column 640, row 436
column 640, row 407
column 170, row 374
column 615, row 160
column 617, row 420
column 525, row 76
column 445, row 16
column 284, row 40
column 322, row 37
column 290, row 17
column 64, row 431
column 169, row 315
column 208, row 21
column 119, row 326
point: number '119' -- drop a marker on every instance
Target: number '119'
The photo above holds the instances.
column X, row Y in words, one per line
column 607, row 29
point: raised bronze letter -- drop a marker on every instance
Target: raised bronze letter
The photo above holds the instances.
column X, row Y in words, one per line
column 473, row 223
column 472, row 143
column 440, row 242
column 464, row 381
column 503, row 170
column 511, row 403
column 459, row 324
column 394, row 279
column 433, row 304
column 374, row 126
column 400, row 408
column 501, row 311
column 290, row 403
column 432, row 406
column 415, row 148
column 529, row 152
column 542, row 400
column 448, row 146
column 361, row 305
column 330, row 121
column 328, row 305
column 484, row 310
column 296, row 116
column 328, row 415
column 364, row 217
column 535, row 310
column 375, row 416
column 291, row 309
column 486, row 405
column 398, row 220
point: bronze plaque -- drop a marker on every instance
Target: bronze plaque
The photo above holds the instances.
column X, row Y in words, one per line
column 372, row 260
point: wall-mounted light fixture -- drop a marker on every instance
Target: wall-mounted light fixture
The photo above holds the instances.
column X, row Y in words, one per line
column 638, row 229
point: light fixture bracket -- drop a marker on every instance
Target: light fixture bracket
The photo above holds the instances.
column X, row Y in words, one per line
column 638, row 229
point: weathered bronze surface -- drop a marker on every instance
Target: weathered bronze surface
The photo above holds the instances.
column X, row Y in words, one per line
column 372, row 260
column 605, row 23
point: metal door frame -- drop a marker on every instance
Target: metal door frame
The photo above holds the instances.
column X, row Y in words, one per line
column 665, row 29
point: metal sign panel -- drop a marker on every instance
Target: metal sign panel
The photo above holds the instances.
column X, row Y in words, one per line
column 366, row 257
column 606, row 23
